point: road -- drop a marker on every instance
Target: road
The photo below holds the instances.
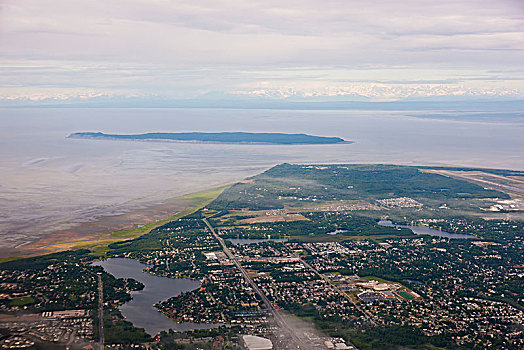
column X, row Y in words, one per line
column 279, row 319
column 100, row 313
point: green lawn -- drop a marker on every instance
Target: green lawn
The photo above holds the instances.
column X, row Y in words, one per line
column 406, row 295
column 22, row 301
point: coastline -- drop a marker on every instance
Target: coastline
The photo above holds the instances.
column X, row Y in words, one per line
column 98, row 234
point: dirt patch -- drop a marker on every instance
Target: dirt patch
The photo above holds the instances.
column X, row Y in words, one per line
column 100, row 228
column 274, row 218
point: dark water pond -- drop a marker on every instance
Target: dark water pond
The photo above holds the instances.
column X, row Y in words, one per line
column 140, row 310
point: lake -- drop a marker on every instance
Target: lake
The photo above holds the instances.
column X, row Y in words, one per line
column 140, row 310
column 423, row 230
column 50, row 183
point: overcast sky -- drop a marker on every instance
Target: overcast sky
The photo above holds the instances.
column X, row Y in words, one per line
column 383, row 49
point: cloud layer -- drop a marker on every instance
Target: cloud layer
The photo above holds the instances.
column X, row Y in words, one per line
column 178, row 49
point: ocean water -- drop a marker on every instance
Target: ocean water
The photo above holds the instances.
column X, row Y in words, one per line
column 49, row 182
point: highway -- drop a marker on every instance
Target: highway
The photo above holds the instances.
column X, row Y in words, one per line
column 100, row 313
column 279, row 319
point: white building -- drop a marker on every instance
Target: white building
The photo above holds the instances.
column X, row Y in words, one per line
column 252, row 342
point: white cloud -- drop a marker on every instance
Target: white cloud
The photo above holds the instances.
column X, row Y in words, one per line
column 382, row 92
column 178, row 48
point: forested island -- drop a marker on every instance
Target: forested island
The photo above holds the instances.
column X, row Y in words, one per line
column 217, row 137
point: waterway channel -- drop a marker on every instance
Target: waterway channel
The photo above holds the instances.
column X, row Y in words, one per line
column 140, row 310
column 423, row 230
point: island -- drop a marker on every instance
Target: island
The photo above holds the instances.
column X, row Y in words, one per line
column 217, row 137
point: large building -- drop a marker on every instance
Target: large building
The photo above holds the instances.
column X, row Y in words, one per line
column 252, row 342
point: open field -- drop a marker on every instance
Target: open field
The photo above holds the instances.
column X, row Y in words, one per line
column 273, row 218
column 22, row 301
column 405, row 295
column 512, row 184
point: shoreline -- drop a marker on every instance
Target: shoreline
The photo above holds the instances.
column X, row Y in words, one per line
column 97, row 234
column 103, row 230
column 197, row 142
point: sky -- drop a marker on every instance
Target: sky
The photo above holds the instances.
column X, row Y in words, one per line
column 381, row 50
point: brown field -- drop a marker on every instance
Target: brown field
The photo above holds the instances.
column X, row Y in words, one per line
column 273, row 218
